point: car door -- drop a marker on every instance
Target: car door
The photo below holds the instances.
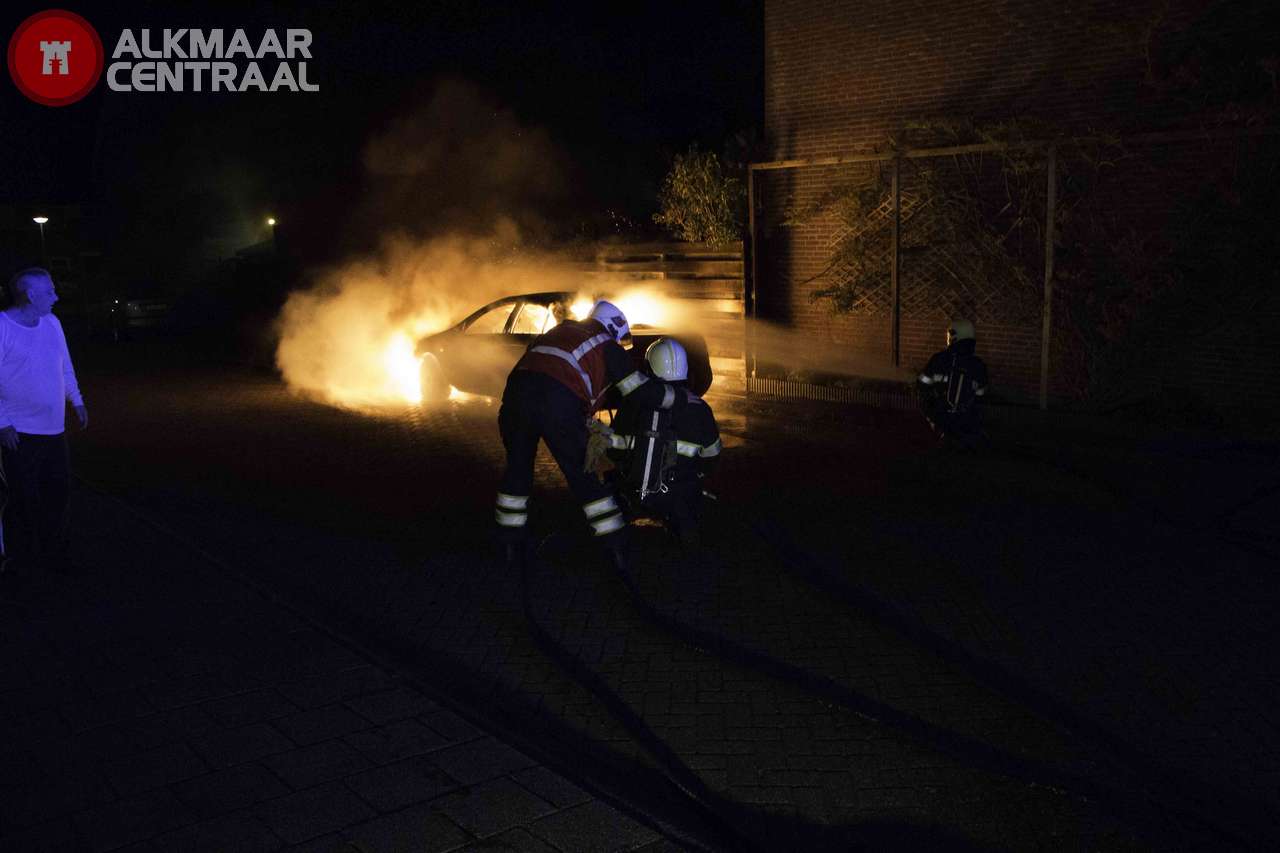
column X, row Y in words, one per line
column 481, row 354
column 529, row 319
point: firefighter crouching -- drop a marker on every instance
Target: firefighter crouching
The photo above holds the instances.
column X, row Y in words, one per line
column 550, row 393
column 661, row 457
column 952, row 387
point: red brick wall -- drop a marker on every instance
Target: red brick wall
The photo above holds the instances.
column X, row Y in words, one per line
column 792, row 254
column 842, row 75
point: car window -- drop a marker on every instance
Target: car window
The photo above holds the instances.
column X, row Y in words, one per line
column 532, row 319
column 491, row 322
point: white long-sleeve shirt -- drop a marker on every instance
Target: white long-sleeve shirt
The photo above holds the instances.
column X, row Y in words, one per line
column 36, row 376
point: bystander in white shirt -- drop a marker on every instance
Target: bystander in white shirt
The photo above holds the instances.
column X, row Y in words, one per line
column 37, row 379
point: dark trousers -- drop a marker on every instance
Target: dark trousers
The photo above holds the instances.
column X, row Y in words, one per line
column 959, row 429
column 33, row 496
column 680, row 507
column 962, row 430
column 536, row 407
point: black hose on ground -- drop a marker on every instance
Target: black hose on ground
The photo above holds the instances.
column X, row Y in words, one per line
column 1148, row 810
column 709, row 807
column 991, row 674
column 1142, row 810
column 1161, row 784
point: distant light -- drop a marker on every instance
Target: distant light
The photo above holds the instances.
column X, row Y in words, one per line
column 39, row 220
column 271, row 220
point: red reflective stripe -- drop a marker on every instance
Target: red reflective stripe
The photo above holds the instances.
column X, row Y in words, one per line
column 567, row 358
column 570, row 338
column 555, row 368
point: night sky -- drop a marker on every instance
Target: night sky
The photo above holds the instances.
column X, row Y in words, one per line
column 608, row 95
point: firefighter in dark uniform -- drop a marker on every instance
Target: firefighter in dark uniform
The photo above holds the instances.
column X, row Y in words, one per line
column 664, row 457
column 952, row 386
column 558, row 382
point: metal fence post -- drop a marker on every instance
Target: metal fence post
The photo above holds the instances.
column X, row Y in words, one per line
column 751, row 312
column 895, row 311
column 1047, row 314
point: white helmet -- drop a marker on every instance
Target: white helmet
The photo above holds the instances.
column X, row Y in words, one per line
column 611, row 317
column 668, row 360
column 960, row 330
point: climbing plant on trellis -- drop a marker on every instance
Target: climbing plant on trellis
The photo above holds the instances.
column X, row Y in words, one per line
column 956, row 259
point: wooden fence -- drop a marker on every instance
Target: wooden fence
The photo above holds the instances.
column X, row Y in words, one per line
column 706, row 280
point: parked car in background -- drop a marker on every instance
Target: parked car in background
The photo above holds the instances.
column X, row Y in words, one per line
column 138, row 310
column 478, row 353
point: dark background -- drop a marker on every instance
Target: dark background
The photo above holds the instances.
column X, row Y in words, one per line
column 147, row 187
column 617, row 92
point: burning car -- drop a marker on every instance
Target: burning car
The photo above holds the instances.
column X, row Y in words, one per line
column 476, row 355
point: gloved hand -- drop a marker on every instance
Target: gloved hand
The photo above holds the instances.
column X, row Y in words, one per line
column 597, row 444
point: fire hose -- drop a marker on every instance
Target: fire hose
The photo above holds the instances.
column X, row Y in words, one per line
column 709, row 806
column 1142, row 810
column 1137, row 809
column 1160, row 787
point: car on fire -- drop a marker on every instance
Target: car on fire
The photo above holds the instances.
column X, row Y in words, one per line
column 477, row 354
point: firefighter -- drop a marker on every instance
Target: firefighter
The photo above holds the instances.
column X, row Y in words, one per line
column 663, row 457
column 557, row 384
column 952, row 386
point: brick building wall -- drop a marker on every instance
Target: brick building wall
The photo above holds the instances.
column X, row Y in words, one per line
column 842, row 76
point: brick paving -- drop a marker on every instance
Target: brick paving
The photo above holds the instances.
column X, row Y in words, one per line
column 152, row 703
column 1061, row 573
column 1154, row 629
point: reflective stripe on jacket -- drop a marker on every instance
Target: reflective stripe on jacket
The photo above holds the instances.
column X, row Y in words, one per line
column 684, row 448
column 579, row 355
column 693, row 425
column 957, row 376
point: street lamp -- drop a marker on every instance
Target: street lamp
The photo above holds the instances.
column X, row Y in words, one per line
column 271, row 221
column 41, row 220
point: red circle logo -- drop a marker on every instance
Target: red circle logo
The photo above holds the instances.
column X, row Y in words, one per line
column 55, row 57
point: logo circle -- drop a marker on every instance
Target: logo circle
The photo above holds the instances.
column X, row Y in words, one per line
column 55, row 57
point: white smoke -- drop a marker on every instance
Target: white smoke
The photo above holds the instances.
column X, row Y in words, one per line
column 348, row 340
column 463, row 182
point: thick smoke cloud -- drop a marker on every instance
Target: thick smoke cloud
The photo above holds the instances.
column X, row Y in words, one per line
column 458, row 185
column 461, row 161
column 349, row 340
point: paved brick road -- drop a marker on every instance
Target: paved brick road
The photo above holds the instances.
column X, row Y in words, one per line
column 152, row 703
column 377, row 523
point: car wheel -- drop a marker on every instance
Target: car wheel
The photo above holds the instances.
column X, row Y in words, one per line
column 432, row 380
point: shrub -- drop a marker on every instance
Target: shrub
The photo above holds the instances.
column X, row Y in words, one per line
column 698, row 202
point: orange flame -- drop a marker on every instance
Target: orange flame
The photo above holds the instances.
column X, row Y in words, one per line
column 403, row 368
